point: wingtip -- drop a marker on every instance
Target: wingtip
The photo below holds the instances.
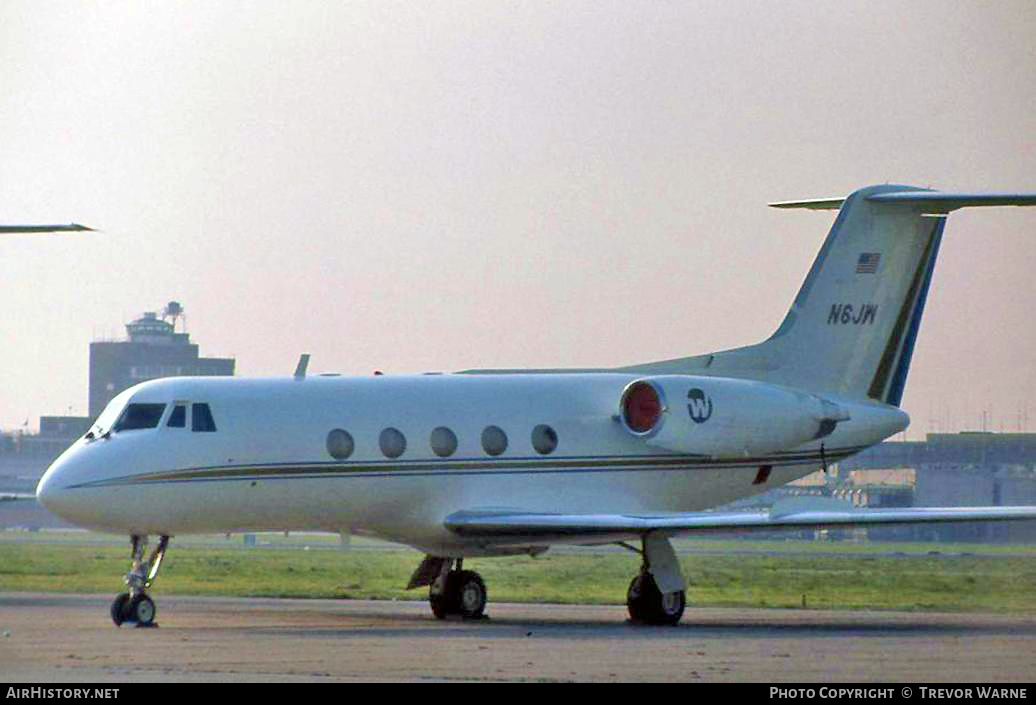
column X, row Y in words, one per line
column 810, row 204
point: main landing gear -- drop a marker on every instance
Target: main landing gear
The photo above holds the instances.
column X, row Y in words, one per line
column 657, row 595
column 452, row 590
column 649, row 605
column 135, row 607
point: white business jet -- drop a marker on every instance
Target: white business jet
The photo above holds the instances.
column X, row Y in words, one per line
column 503, row 462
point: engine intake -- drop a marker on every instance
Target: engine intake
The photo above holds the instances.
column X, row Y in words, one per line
column 642, row 405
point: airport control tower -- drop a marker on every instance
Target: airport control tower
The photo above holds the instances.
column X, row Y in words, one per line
column 154, row 349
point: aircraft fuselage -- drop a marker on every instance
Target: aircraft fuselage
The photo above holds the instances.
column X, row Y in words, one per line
column 558, row 441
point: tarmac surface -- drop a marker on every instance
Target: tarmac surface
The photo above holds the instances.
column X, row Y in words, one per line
column 47, row 638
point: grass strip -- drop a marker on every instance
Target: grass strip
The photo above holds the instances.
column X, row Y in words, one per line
column 911, row 581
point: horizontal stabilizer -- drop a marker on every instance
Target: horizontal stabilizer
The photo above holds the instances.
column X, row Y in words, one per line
column 71, row 227
column 944, row 202
column 927, row 201
column 516, row 528
column 815, row 204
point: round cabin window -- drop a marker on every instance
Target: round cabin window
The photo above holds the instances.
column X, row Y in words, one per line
column 443, row 442
column 392, row 442
column 544, row 439
column 339, row 444
column 494, row 440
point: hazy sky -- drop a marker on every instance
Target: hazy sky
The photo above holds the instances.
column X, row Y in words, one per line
column 446, row 185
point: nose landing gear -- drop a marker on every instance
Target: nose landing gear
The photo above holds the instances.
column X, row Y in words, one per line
column 135, row 607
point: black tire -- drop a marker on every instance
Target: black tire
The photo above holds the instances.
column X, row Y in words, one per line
column 635, row 599
column 119, row 609
column 440, row 605
column 142, row 610
column 648, row 605
column 469, row 594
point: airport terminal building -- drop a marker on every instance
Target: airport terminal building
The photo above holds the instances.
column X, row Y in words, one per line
column 967, row 469
column 953, row 469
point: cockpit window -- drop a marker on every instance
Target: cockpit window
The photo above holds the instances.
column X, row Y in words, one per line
column 110, row 414
column 178, row 419
column 201, row 418
column 137, row 416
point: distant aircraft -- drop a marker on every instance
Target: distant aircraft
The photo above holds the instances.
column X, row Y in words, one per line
column 15, row 496
column 71, row 227
column 504, row 462
column 10, row 230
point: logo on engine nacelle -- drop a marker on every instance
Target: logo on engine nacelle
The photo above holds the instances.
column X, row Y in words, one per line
column 699, row 406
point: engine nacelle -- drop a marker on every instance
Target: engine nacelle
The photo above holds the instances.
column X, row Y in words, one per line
column 723, row 417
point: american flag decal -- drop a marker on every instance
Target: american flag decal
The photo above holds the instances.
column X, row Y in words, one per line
column 868, row 263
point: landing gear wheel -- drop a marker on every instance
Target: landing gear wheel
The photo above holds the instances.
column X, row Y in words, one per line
column 670, row 609
column 440, row 605
column 463, row 593
column 135, row 606
column 142, row 610
column 648, row 605
column 635, row 600
column 442, row 595
column 119, row 608
column 469, row 592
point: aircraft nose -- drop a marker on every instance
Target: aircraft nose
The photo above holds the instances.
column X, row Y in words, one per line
column 51, row 492
column 45, row 490
column 69, row 489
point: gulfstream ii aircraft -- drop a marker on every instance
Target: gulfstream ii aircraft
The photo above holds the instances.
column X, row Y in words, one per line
column 503, row 462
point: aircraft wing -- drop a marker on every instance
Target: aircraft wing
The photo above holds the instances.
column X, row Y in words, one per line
column 13, row 496
column 523, row 528
column 71, row 227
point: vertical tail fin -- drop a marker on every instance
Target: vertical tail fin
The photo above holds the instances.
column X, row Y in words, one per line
column 852, row 327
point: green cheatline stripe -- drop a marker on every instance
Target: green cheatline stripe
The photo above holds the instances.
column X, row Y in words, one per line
column 476, row 467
